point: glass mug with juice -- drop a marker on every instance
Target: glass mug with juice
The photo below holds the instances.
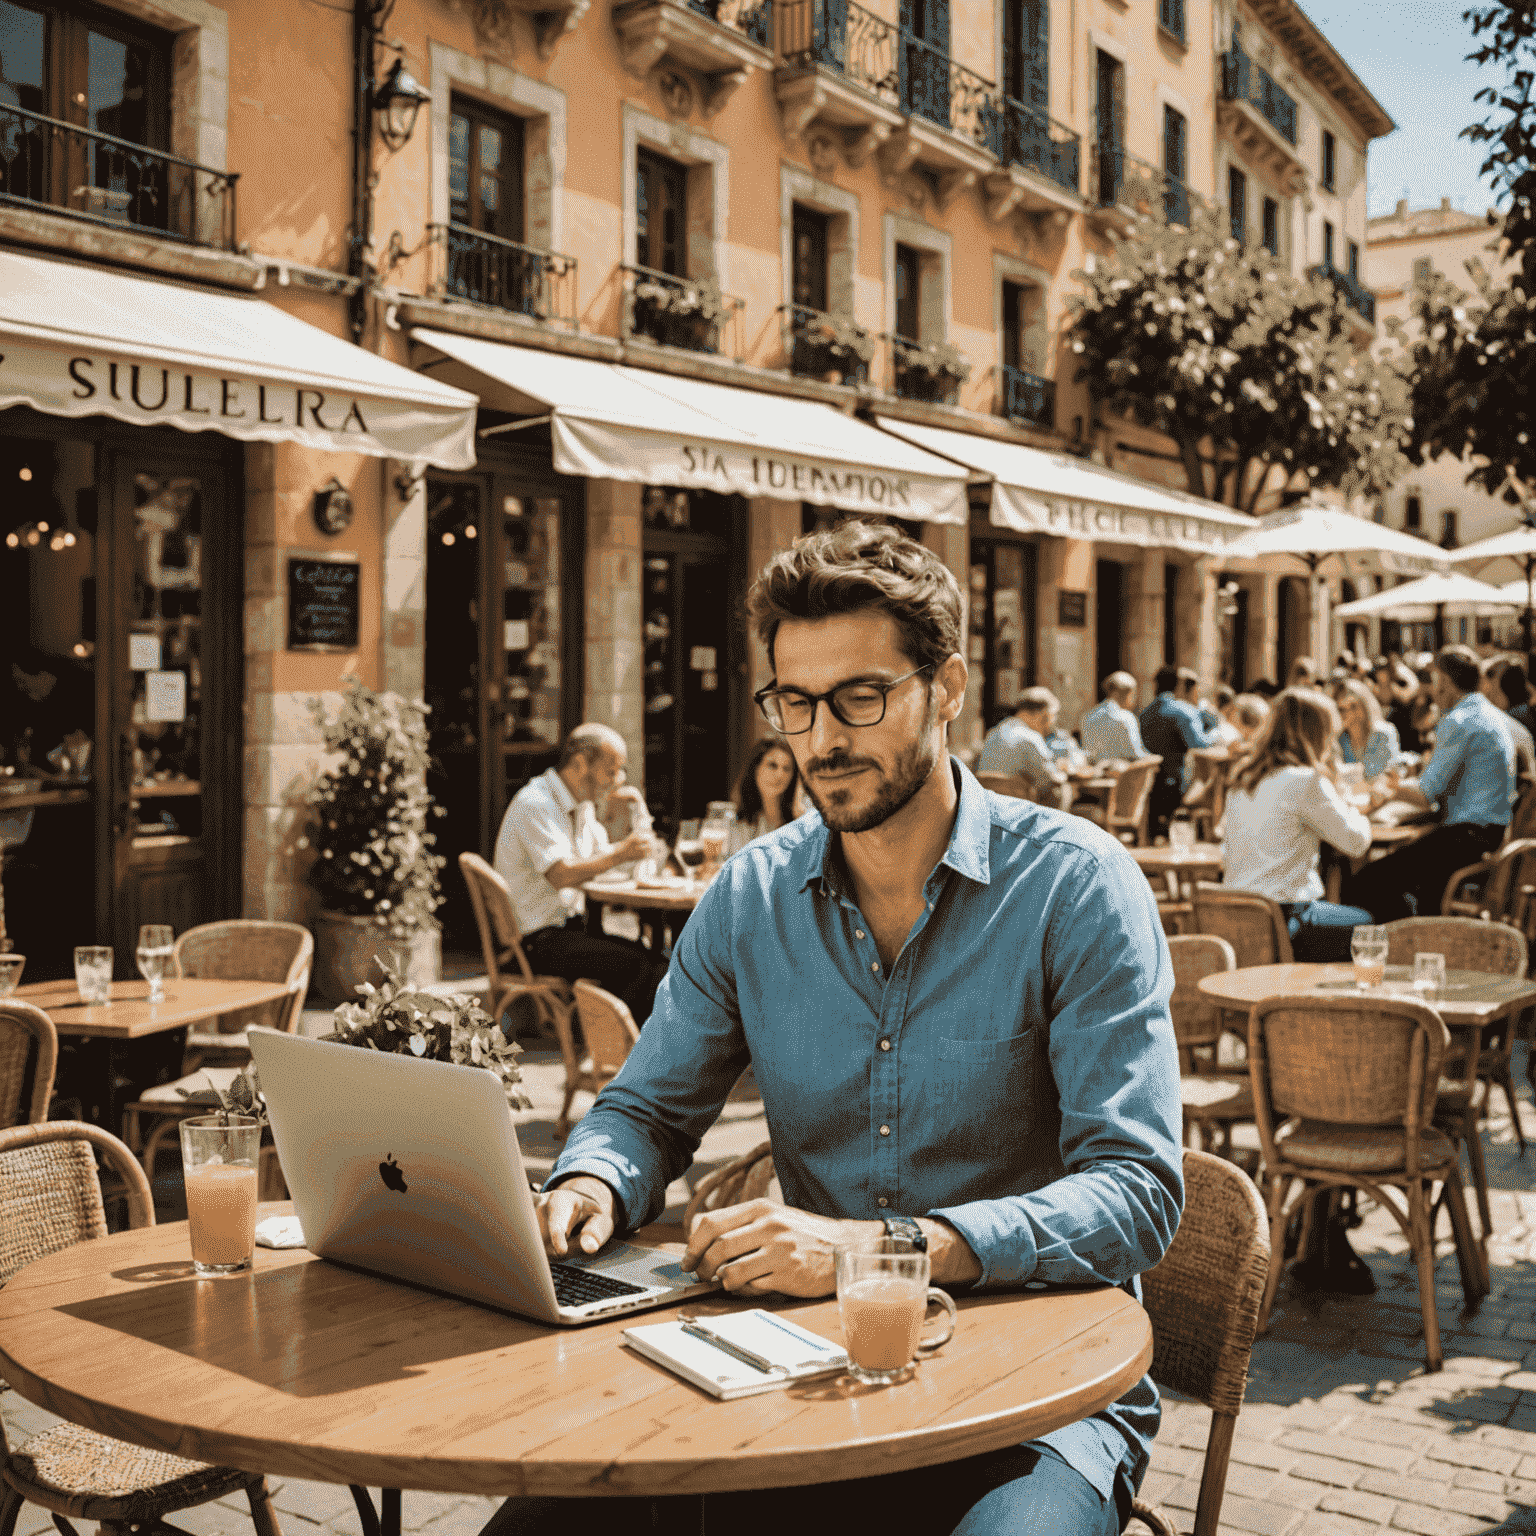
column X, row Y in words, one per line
column 883, row 1296
column 218, row 1161
column 1368, row 949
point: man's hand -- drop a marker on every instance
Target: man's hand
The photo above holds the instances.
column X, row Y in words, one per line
column 761, row 1246
column 583, row 1205
column 637, row 845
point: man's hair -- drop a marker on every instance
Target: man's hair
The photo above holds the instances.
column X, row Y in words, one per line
column 1118, row 682
column 1514, row 684
column 1225, row 695
column 1033, row 700
column 1303, row 673
column 589, row 742
column 855, row 568
column 1188, row 678
column 1460, row 666
column 1167, row 679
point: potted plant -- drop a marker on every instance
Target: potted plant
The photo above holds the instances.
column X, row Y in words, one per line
column 929, row 370
column 681, row 312
column 374, row 866
column 826, row 344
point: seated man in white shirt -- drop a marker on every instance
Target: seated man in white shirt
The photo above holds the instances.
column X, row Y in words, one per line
column 1017, row 747
column 1111, row 732
column 550, row 843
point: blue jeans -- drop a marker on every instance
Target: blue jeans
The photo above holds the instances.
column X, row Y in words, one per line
column 1024, row 1490
column 1321, row 930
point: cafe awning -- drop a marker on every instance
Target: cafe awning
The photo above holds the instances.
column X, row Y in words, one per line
column 82, row 341
column 1038, row 492
column 612, row 422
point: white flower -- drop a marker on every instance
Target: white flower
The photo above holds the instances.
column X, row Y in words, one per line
column 418, row 1045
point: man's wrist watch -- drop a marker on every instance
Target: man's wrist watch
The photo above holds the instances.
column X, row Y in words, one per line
column 905, row 1227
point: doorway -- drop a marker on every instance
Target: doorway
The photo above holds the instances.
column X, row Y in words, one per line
column 1109, row 616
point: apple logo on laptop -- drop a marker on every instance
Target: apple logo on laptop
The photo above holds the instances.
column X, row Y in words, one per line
column 390, row 1172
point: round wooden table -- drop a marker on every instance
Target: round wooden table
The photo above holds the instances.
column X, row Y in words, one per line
column 305, row 1369
column 1187, row 863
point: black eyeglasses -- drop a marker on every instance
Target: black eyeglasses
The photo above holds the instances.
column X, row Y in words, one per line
column 791, row 712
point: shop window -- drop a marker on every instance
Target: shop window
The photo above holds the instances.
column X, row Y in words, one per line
column 1001, row 641
column 1237, row 204
column 1170, row 614
column 1330, row 159
column 1271, row 226
column 661, row 213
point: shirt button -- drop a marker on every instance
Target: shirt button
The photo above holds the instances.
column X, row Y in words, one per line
column 885, row 1130
column 882, row 1202
column 874, row 965
column 858, row 933
column 885, row 1045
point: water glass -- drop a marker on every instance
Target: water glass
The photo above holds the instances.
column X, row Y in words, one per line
column 1368, row 948
column 11, row 967
column 1429, row 977
column 93, row 972
column 219, row 1154
column 883, row 1296
column 154, row 955
column 1181, row 836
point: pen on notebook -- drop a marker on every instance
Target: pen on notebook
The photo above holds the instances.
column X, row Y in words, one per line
column 746, row 1356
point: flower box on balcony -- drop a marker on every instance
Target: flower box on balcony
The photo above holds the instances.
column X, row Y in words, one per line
column 679, row 312
column 824, row 345
column 931, row 371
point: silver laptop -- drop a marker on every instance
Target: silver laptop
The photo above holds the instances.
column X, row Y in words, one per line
column 412, row 1169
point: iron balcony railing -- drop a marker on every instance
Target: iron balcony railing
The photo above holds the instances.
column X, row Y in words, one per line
column 1356, row 294
column 45, row 162
column 818, row 345
column 1021, row 135
column 919, row 372
column 753, row 20
column 841, row 35
column 1170, row 17
column 485, row 269
column 933, row 86
column 684, row 312
column 1028, row 398
column 1244, row 80
column 1118, row 178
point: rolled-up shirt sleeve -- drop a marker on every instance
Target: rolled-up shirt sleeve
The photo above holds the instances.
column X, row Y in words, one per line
column 1114, row 1059
column 1334, row 819
column 1444, row 761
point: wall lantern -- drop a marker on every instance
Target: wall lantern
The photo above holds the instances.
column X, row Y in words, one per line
column 332, row 507
column 397, row 98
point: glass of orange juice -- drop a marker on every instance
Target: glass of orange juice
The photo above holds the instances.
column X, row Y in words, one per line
column 218, row 1159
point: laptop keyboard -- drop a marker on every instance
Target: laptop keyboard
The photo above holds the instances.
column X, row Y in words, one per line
column 575, row 1287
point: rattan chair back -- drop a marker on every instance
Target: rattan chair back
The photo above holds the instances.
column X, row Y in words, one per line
column 742, row 1179
column 1132, row 798
column 501, row 940
column 1522, row 821
column 1013, row 785
column 1196, row 1017
column 608, row 1027
column 29, row 1053
column 252, row 950
column 50, row 1195
column 1513, row 866
column 1468, row 944
column 1252, row 924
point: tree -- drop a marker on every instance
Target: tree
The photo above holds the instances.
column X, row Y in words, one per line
column 1209, row 341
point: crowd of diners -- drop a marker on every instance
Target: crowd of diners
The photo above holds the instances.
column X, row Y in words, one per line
column 1443, row 738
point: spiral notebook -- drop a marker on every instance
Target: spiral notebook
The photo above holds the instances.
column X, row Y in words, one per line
column 745, row 1353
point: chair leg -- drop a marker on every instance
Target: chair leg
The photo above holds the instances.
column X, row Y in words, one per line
column 154, row 1143
column 263, row 1516
column 1424, row 1257
column 1470, row 1257
column 1474, row 1140
column 10, row 1509
column 1276, row 1253
column 1213, row 1479
column 1507, row 1087
column 563, row 1124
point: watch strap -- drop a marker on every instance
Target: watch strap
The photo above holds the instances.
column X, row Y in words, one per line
column 905, row 1227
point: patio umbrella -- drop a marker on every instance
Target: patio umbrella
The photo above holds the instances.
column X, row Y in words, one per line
column 1519, row 544
column 1430, row 598
column 1316, row 536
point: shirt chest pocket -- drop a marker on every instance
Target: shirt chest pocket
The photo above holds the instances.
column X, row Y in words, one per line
column 988, row 1082
column 986, row 1053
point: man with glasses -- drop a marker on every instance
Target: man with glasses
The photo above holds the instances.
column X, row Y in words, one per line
column 955, row 1006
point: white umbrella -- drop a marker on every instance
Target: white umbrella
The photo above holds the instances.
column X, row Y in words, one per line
column 1431, row 597
column 1518, row 544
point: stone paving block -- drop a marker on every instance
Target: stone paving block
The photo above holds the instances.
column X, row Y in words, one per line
column 1327, row 1469
column 419, row 1510
column 1262, row 1519
column 1521, row 1329
column 1363, row 1506
column 1388, row 1432
column 1156, row 1485
column 1297, row 1493
column 1435, row 1522
column 1391, row 1458
column 1336, row 1525
column 1526, row 1467
column 1512, row 1439
column 316, row 1502
column 1484, row 1482
column 1478, row 1454
column 1260, row 1453
column 1177, row 1459
column 466, row 1517
column 1416, row 1490
column 1251, row 1482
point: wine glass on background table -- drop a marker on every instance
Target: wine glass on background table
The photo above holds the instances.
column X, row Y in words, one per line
column 688, row 848
column 1368, row 949
column 156, row 947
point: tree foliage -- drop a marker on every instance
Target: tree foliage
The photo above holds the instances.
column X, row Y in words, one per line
column 1214, row 343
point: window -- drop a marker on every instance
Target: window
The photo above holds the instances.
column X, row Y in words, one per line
column 1413, row 513
column 1237, row 203
column 1353, row 258
column 1327, row 245
column 1109, row 124
column 661, row 214
column 485, row 169
column 1026, row 52
column 1447, row 530
column 1422, row 267
column 1175, row 139
column 809, row 236
column 909, row 280
column 1330, row 155
column 1271, row 226
column 1170, row 17
column 1013, row 325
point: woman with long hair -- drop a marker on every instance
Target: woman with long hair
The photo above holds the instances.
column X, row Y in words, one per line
column 1368, row 738
column 1283, row 802
column 767, row 793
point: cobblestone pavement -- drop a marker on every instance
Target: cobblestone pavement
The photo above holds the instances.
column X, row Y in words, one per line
column 1343, row 1433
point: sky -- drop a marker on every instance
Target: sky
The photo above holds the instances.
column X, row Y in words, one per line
column 1411, row 56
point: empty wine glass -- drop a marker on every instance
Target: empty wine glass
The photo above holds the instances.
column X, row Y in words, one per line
column 154, row 955
column 1368, row 948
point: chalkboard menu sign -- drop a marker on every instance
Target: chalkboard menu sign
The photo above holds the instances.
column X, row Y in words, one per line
column 322, row 604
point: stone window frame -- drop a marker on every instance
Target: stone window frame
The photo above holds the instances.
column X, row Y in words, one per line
column 1011, row 269
column 708, row 163
column 543, row 110
column 935, row 247
column 797, row 185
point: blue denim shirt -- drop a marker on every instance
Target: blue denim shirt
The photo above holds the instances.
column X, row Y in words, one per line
column 1472, row 769
column 1171, row 728
column 1015, row 1074
column 1382, row 749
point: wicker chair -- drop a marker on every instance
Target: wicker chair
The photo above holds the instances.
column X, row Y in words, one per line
column 1203, row 1299
column 29, row 1052
column 1211, row 1098
column 609, row 1031
column 1125, row 816
column 50, row 1199
column 501, row 943
column 1013, row 785
column 1206, row 797
column 1344, row 1095
column 1253, row 925
column 745, row 1178
column 1500, row 880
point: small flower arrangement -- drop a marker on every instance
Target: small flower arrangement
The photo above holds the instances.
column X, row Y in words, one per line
column 375, row 855
column 832, row 343
column 937, row 359
column 398, row 1017
column 686, row 313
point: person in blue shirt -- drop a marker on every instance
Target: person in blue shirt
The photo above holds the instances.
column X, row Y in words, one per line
column 1170, row 726
column 1368, row 738
column 1471, row 774
column 955, row 1006
column 1111, row 731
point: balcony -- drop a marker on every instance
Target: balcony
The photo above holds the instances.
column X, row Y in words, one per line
column 480, row 268
column 928, row 371
column 1042, row 161
column 99, row 179
column 1355, row 294
column 1260, row 118
column 948, row 114
column 828, row 347
column 1123, row 187
column 684, row 312
column 722, row 40
column 1028, row 399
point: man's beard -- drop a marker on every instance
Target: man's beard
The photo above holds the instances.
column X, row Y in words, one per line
column 908, row 775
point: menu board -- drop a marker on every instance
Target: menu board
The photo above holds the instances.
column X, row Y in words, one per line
column 323, row 604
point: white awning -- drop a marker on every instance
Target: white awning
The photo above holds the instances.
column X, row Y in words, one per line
column 617, row 423
column 1038, row 492
column 81, row 341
